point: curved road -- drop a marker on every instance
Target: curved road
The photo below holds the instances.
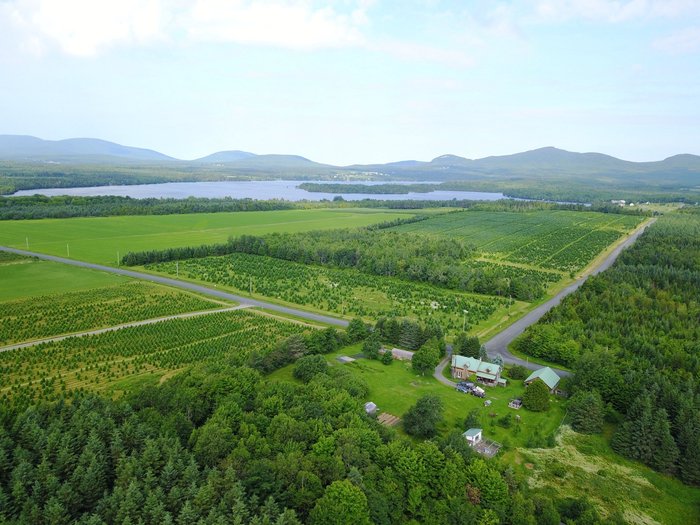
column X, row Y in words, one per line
column 185, row 285
column 498, row 344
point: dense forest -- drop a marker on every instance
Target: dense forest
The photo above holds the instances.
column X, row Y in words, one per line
column 220, row 444
column 632, row 334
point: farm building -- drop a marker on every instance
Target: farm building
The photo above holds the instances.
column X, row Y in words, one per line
column 486, row 373
column 548, row 376
column 473, row 436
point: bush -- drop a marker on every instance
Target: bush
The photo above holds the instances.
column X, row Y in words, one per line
column 387, row 358
column 518, row 372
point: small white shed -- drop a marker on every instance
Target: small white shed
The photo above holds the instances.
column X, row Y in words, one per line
column 473, row 436
column 370, row 408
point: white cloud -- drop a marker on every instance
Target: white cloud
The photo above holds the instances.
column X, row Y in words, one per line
column 684, row 41
column 286, row 24
column 82, row 27
column 88, row 27
column 613, row 10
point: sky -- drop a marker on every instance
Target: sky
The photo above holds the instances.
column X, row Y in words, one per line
column 356, row 81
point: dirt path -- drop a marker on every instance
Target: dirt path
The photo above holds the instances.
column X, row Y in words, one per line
column 120, row 326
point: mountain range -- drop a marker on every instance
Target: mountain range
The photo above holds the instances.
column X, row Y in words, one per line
column 542, row 162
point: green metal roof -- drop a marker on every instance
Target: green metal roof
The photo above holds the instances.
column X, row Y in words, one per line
column 547, row 375
column 475, row 365
column 485, row 375
column 472, row 432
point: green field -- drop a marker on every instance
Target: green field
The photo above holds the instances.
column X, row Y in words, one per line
column 98, row 239
column 564, row 241
column 396, row 387
column 584, row 465
column 28, row 277
column 343, row 292
column 116, row 361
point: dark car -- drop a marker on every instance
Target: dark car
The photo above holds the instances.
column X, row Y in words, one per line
column 462, row 388
column 466, row 384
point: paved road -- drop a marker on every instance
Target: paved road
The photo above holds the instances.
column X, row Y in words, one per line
column 120, row 326
column 499, row 343
column 186, row 286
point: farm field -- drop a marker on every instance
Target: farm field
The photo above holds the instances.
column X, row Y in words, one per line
column 345, row 292
column 60, row 313
column 564, row 241
column 585, row 465
column 98, row 239
column 114, row 362
column 396, row 387
column 23, row 277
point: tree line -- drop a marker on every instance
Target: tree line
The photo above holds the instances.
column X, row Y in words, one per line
column 374, row 250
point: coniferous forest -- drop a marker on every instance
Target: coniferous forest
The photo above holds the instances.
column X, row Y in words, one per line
column 632, row 335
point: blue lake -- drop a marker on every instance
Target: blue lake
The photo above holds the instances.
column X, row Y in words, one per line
column 261, row 190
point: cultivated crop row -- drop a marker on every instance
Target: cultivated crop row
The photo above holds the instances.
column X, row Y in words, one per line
column 560, row 240
column 38, row 317
column 341, row 291
column 96, row 362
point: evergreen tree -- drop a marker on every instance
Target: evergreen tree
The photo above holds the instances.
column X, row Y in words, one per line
column 587, row 412
column 536, row 396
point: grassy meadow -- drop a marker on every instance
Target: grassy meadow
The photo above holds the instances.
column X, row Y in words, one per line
column 98, row 239
column 584, row 465
column 24, row 277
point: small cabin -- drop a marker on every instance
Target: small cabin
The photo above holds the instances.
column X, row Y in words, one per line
column 473, row 436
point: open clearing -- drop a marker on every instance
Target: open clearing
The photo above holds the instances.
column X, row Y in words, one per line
column 28, row 277
column 584, row 465
column 396, row 387
column 98, row 239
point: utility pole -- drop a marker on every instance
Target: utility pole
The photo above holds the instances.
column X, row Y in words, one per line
column 464, row 323
column 177, row 268
column 118, row 259
column 27, row 241
column 250, row 285
column 68, row 250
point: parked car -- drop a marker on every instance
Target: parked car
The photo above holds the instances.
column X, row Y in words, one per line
column 466, row 384
column 462, row 388
column 478, row 391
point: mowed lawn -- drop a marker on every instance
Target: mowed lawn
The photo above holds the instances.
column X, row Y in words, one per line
column 29, row 277
column 100, row 239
